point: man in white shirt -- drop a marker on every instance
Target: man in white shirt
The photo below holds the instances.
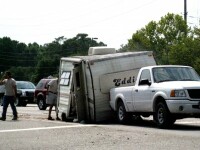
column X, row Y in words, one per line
column 9, row 96
column 52, row 97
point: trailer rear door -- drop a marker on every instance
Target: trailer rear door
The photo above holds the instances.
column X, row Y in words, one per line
column 78, row 81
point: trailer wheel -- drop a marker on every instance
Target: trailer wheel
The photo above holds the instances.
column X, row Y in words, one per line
column 122, row 115
column 162, row 116
column 63, row 117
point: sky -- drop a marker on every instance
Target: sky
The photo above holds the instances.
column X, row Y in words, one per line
column 111, row 21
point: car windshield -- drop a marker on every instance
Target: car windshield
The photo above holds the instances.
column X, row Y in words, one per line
column 161, row 74
column 25, row 85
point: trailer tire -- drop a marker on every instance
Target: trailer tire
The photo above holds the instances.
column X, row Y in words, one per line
column 122, row 116
column 63, row 117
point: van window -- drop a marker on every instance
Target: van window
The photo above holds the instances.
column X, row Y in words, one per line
column 65, row 78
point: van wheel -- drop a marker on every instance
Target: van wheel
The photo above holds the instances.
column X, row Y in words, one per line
column 41, row 104
column 122, row 115
column 162, row 116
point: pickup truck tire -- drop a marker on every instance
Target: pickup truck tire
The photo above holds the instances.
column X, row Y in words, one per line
column 162, row 116
column 122, row 115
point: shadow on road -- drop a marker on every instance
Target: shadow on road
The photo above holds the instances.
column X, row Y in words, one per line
column 151, row 124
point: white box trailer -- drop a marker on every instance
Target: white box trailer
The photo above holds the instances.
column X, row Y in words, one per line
column 85, row 81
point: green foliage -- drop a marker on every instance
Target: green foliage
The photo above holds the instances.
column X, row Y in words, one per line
column 124, row 48
column 32, row 62
column 171, row 40
column 22, row 73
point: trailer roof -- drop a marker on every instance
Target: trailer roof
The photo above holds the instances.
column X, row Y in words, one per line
column 95, row 58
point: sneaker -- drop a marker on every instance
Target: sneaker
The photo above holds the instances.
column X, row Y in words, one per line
column 3, row 119
column 50, row 118
column 57, row 118
column 14, row 118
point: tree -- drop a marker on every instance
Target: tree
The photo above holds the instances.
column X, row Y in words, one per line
column 171, row 40
column 33, row 62
column 160, row 37
column 48, row 59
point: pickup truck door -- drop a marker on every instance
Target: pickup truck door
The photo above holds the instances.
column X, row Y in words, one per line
column 142, row 93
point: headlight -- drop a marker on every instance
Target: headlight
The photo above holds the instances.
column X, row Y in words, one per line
column 178, row 93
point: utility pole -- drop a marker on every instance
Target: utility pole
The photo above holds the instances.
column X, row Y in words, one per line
column 185, row 11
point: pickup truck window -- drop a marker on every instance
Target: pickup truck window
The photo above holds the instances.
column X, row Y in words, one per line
column 145, row 74
column 161, row 74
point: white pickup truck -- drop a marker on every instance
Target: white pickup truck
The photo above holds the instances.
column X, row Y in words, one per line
column 167, row 92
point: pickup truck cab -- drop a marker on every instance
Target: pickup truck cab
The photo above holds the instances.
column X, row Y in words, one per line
column 167, row 92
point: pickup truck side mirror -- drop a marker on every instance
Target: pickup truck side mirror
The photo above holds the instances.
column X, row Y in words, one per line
column 145, row 82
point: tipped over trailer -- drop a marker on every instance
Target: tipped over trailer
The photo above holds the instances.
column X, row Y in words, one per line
column 85, row 81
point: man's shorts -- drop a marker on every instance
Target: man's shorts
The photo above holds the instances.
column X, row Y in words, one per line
column 51, row 99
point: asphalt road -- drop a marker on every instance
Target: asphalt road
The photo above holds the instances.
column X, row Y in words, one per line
column 33, row 131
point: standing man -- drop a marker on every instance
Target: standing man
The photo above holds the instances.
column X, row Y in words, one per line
column 9, row 96
column 52, row 97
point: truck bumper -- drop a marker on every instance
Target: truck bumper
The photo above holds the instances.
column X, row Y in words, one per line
column 183, row 106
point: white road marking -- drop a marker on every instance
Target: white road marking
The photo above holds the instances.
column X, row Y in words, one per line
column 82, row 125
column 46, row 128
column 188, row 122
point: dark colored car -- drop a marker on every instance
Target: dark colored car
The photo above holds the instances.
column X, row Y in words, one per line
column 40, row 93
column 25, row 93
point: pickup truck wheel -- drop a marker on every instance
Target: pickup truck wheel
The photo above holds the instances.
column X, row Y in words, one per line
column 41, row 104
column 122, row 115
column 162, row 116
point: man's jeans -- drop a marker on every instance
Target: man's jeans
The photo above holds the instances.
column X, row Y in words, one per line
column 6, row 101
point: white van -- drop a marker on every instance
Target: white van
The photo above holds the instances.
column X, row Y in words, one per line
column 85, row 81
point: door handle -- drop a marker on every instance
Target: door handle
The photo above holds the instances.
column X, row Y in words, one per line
column 136, row 90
